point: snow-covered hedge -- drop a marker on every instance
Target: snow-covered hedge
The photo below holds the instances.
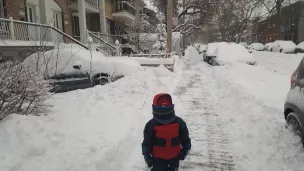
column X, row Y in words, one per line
column 22, row 90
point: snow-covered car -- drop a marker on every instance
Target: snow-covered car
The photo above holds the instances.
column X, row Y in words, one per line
column 283, row 46
column 234, row 53
column 268, row 46
column 294, row 108
column 244, row 44
column 257, row 46
column 210, row 51
column 300, row 48
column 72, row 68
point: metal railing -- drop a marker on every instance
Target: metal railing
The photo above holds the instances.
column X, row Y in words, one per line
column 91, row 3
column 124, row 6
column 103, row 45
column 36, row 34
column 111, row 39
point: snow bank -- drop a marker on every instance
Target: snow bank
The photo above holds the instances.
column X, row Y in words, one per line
column 153, row 61
column 269, row 87
column 233, row 53
column 211, row 48
column 162, row 71
column 62, row 61
column 94, row 129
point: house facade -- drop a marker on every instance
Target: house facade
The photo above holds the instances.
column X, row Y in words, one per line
column 289, row 26
column 108, row 18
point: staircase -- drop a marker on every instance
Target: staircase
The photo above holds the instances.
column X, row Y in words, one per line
column 21, row 36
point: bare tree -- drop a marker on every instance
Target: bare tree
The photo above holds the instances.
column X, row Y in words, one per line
column 274, row 7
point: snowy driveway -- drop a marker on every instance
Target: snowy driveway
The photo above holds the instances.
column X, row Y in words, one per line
column 234, row 115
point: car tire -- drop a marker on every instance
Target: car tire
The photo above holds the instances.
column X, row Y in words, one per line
column 295, row 126
column 271, row 50
column 101, row 80
column 281, row 50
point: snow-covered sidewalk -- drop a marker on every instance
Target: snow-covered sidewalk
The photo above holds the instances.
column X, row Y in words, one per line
column 232, row 125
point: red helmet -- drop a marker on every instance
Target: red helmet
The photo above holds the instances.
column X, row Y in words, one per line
column 162, row 99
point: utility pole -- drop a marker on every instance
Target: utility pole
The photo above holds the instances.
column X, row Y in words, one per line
column 137, row 25
column 169, row 25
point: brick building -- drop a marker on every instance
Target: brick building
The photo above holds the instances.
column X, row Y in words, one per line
column 289, row 26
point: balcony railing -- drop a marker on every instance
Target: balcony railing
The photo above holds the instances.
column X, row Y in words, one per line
column 90, row 3
column 125, row 6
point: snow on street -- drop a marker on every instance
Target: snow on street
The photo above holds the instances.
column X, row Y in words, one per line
column 234, row 114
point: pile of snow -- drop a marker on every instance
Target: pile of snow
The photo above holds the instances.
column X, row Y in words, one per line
column 62, row 61
column 162, row 71
column 257, row 46
column 211, row 48
column 202, row 47
column 244, row 44
column 153, row 61
column 232, row 53
column 99, row 128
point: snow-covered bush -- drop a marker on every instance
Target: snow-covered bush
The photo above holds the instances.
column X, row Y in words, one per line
column 22, row 90
column 161, row 42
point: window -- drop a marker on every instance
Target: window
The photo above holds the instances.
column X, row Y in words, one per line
column 289, row 21
column 57, row 19
column 31, row 13
column 75, row 22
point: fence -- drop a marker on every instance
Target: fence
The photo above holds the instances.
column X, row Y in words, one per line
column 37, row 34
column 111, row 39
column 103, row 45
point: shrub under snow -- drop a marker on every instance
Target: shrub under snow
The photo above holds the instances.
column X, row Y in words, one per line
column 22, row 90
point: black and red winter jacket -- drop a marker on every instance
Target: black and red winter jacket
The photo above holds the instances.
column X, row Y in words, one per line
column 165, row 141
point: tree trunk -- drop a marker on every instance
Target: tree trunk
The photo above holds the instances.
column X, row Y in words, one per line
column 278, row 17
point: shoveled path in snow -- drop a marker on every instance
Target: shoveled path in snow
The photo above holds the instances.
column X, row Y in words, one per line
column 211, row 145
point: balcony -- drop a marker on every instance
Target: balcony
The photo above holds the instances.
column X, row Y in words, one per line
column 92, row 6
column 124, row 11
column 144, row 19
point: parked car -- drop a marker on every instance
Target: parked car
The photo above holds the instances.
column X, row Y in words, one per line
column 283, row 46
column 234, row 53
column 300, row 48
column 294, row 107
column 210, row 51
column 257, row 46
column 268, row 46
column 72, row 68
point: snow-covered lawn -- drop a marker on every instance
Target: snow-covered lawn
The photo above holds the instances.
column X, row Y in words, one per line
column 234, row 114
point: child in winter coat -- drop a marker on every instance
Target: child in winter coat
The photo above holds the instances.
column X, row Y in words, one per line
column 166, row 136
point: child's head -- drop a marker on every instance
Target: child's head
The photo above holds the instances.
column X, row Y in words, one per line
column 163, row 108
column 162, row 99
